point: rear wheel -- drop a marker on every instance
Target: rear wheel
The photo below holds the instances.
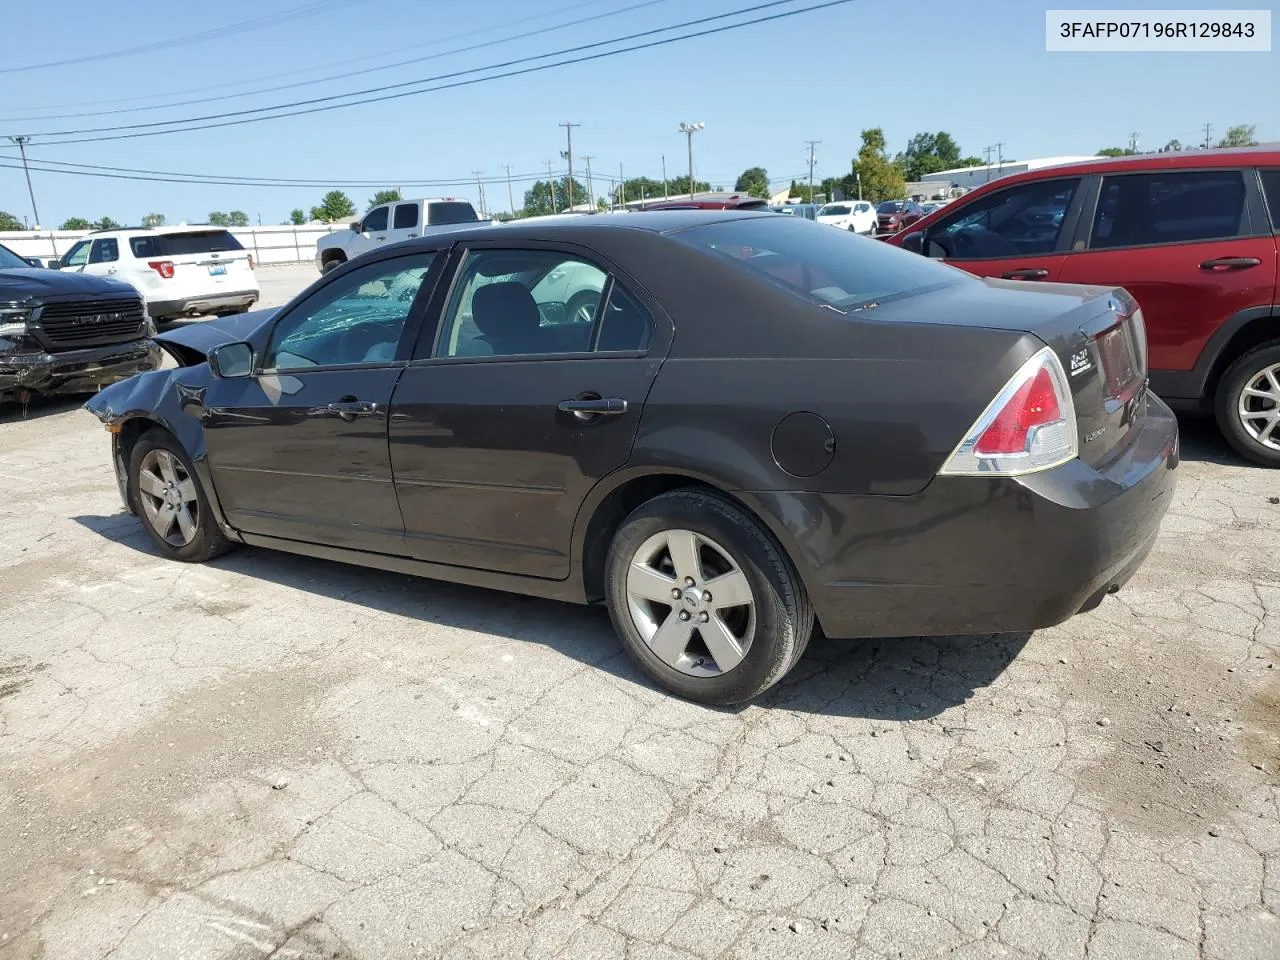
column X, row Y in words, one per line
column 171, row 502
column 705, row 602
column 1248, row 404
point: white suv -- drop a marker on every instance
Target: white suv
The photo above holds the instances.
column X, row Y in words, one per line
column 390, row 223
column 858, row 216
column 180, row 271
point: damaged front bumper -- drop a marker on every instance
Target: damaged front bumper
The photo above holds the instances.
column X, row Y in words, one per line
column 86, row 370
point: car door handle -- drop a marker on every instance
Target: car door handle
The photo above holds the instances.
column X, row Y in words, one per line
column 350, row 409
column 1027, row 273
column 1230, row 263
column 585, row 408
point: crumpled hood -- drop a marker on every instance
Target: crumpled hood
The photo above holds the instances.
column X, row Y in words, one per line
column 23, row 284
column 203, row 335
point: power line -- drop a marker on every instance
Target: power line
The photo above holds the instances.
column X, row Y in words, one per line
column 195, row 124
column 336, row 76
column 230, row 30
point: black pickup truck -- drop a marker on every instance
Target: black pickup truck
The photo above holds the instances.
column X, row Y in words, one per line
column 68, row 332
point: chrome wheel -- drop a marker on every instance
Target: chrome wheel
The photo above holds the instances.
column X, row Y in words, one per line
column 168, row 497
column 691, row 603
column 1258, row 406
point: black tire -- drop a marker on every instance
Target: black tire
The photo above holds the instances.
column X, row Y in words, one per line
column 783, row 614
column 1238, row 376
column 333, row 263
column 208, row 541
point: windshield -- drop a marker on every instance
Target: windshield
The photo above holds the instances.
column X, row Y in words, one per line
column 892, row 206
column 10, row 260
column 834, row 210
column 825, row 266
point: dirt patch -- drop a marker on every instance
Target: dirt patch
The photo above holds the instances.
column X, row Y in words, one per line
column 15, row 676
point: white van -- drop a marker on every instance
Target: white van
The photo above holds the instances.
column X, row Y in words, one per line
column 180, row 271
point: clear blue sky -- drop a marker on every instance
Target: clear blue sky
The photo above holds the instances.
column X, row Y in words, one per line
column 977, row 69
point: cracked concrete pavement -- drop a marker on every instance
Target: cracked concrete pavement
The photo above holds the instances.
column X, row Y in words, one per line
column 272, row 756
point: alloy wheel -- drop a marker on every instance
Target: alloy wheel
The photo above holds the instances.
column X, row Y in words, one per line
column 691, row 602
column 168, row 497
column 1258, row 406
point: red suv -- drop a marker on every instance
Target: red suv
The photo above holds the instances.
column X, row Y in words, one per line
column 1192, row 235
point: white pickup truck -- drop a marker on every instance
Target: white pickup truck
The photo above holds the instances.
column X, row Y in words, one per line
column 392, row 222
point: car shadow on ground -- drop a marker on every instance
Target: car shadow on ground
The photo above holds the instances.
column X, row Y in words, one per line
column 38, row 407
column 889, row 679
column 1201, row 440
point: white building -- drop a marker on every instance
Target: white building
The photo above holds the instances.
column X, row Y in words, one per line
column 970, row 177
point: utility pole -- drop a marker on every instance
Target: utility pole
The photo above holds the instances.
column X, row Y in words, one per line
column 1208, row 132
column 986, row 153
column 591, row 187
column 568, row 182
column 666, row 191
column 480, row 187
column 511, row 202
column 622, row 189
column 858, row 174
column 1133, row 141
column 22, row 147
column 1000, row 158
column 812, row 146
column 689, row 129
column 551, row 184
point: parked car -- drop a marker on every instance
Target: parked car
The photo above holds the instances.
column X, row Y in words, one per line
column 391, row 223
column 895, row 215
column 736, row 201
column 1191, row 235
column 928, row 206
column 725, row 451
column 61, row 333
column 180, row 271
column 856, row 216
column 805, row 211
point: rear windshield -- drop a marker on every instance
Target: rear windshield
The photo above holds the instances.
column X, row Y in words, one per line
column 828, row 267
column 834, row 210
column 892, row 206
column 451, row 211
column 182, row 244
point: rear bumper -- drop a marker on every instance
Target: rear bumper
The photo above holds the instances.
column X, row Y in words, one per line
column 205, row 303
column 75, row 371
column 970, row 555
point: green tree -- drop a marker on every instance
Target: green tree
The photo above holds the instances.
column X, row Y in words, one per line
column 335, row 205
column 106, row 223
column 970, row 161
column 680, row 185
column 753, row 181
column 881, row 178
column 1115, row 152
column 297, row 216
column 384, row 196
column 238, row 218
column 75, row 223
column 219, row 219
column 1172, row 146
column 9, row 222
column 800, row 191
column 547, row 196
column 152, row 220
column 644, row 188
column 928, row 153
column 1241, row 136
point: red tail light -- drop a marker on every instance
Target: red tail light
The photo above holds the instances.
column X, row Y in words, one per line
column 162, row 267
column 1029, row 426
column 1034, row 404
column 251, row 264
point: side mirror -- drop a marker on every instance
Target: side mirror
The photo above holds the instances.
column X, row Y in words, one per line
column 914, row 241
column 231, row 361
column 55, row 264
column 355, row 227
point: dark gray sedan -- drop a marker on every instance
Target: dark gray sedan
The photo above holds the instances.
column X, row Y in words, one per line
column 730, row 427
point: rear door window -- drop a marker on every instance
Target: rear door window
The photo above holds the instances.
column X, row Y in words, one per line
column 1025, row 220
column 406, row 216
column 1140, row 209
column 1271, row 186
column 144, row 247
column 450, row 211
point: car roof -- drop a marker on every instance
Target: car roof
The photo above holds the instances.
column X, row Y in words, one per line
column 582, row 229
column 159, row 231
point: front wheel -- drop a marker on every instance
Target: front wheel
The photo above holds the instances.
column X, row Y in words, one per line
column 705, row 601
column 333, row 263
column 1247, row 404
column 171, row 502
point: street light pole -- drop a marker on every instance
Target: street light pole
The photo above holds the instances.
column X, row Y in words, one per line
column 591, row 187
column 568, row 131
column 666, row 193
column 689, row 129
column 511, row 201
column 22, row 148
